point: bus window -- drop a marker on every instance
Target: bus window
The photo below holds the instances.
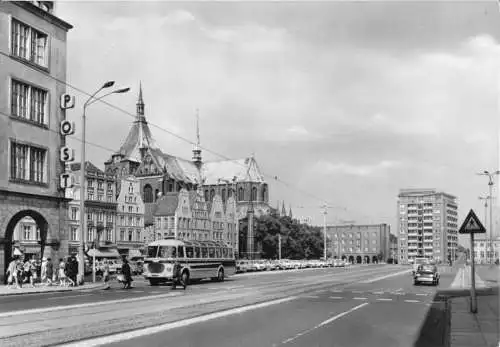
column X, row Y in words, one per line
column 197, row 252
column 204, row 252
column 180, row 252
column 152, row 251
column 189, row 252
column 167, row 252
column 211, row 252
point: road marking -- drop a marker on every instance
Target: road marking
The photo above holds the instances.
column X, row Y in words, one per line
column 357, row 291
column 384, row 277
column 138, row 291
column 412, row 300
column 335, row 297
column 310, row 296
column 173, row 325
column 336, row 291
column 422, row 294
column 328, row 321
column 156, row 292
column 68, row 296
column 384, row 299
column 377, row 293
column 88, row 304
column 356, row 298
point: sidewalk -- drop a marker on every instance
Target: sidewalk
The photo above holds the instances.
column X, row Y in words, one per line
column 27, row 289
column 475, row 330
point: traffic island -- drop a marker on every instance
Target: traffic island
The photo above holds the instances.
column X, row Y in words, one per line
column 41, row 289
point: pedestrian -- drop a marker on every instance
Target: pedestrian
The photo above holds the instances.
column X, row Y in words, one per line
column 49, row 271
column 61, row 273
column 33, row 273
column 43, row 271
column 19, row 272
column 11, row 273
column 105, row 275
column 126, row 274
column 178, row 276
column 74, row 269
column 68, row 268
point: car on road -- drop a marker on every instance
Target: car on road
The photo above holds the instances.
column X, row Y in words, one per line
column 426, row 273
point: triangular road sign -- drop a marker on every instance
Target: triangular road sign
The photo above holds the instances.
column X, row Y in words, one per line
column 472, row 224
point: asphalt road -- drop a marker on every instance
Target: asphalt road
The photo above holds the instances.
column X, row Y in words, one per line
column 313, row 309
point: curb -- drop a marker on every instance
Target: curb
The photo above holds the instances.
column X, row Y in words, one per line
column 447, row 327
column 61, row 290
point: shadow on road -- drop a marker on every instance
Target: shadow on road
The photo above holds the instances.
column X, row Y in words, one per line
column 435, row 329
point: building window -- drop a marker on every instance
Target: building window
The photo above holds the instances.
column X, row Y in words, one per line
column 122, row 234
column 254, row 194
column 89, row 234
column 241, row 194
column 130, row 235
column 138, row 235
column 29, row 44
column 90, row 183
column 74, row 234
column 74, row 213
column 28, row 163
column 223, row 195
column 109, row 234
column 148, row 194
column 130, row 209
column 29, row 102
column 27, row 232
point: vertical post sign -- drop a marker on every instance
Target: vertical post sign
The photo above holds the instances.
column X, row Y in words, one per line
column 472, row 225
column 67, row 154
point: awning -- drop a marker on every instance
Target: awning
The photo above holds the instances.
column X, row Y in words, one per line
column 112, row 253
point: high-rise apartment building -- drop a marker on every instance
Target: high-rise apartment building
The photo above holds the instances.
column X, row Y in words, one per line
column 427, row 225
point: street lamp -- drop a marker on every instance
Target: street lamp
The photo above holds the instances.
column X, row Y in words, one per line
column 89, row 101
column 490, row 185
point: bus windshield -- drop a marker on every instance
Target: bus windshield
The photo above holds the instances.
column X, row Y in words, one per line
column 167, row 252
column 152, row 251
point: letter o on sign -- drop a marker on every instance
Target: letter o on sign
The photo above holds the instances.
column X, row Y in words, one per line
column 67, row 128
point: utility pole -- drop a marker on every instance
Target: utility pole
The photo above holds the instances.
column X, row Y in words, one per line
column 279, row 245
column 324, row 231
column 490, row 185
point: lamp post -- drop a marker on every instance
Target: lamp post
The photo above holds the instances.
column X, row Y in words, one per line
column 490, row 185
column 89, row 101
column 324, row 231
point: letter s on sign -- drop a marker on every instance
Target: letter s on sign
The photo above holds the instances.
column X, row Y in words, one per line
column 67, row 154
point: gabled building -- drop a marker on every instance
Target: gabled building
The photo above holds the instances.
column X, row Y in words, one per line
column 130, row 237
column 160, row 173
column 100, row 208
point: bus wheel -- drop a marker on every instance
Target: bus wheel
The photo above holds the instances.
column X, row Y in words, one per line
column 220, row 275
column 185, row 279
column 154, row 282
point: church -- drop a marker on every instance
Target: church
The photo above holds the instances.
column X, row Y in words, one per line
column 191, row 199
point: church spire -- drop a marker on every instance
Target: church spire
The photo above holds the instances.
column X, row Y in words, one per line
column 140, row 105
column 283, row 209
column 197, row 149
column 290, row 212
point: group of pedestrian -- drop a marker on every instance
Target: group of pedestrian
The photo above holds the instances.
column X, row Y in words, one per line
column 31, row 271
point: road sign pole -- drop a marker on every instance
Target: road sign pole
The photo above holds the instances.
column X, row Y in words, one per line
column 473, row 299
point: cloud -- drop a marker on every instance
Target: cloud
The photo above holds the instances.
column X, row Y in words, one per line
column 356, row 170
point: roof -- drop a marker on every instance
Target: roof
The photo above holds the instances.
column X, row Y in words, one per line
column 239, row 170
column 138, row 137
column 167, row 204
column 177, row 242
column 177, row 168
column 89, row 167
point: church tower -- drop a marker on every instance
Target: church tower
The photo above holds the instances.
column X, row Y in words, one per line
column 197, row 149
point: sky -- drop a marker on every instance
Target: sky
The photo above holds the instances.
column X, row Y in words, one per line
column 346, row 102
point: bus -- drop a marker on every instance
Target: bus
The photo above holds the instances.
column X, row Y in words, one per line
column 198, row 260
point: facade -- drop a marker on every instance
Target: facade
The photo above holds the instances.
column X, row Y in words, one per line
column 160, row 173
column 130, row 237
column 32, row 60
column 186, row 215
column 100, row 209
column 27, row 237
column 484, row 252
column 427, row 225
column 360, row 243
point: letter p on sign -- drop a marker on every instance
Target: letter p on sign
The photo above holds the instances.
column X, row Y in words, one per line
column 67, row 101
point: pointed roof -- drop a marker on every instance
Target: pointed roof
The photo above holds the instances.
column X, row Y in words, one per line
column 283, row 210
column 290, row 212
column 139, row 136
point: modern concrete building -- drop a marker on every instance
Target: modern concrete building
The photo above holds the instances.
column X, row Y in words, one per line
column 427, row 225
column 359, row 243
column 393, row 247
column 32, row 74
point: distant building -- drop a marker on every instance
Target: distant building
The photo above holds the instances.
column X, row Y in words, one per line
column 360, row 243
column 100, row 210
column 484, row 251
column 427, row 225
column 33, row 42
column 304, row 219
column 130, row 236
column 27, row 237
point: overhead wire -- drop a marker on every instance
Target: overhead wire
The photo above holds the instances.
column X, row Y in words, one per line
column 117, row 108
